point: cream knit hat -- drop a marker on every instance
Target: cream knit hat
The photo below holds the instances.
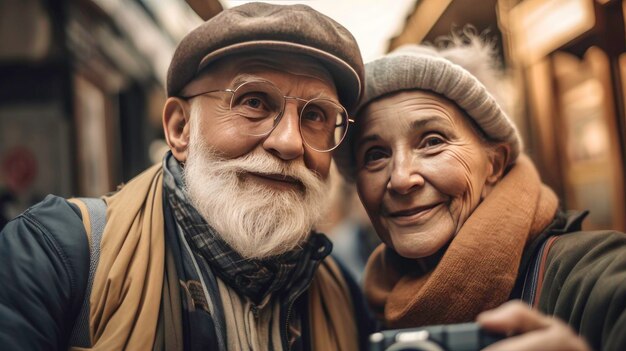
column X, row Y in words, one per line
column 463, row 73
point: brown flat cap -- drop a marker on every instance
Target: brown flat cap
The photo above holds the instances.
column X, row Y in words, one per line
column 260, row 26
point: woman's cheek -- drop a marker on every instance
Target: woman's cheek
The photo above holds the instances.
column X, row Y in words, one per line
column 447, row 175
column 365, row 187
column 371, row 190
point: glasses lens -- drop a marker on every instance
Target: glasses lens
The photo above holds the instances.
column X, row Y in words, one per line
column 323, row 124
column 256, row 104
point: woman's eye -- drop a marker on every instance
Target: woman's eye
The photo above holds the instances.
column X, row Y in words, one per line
column 373, row 155
column 432, row 140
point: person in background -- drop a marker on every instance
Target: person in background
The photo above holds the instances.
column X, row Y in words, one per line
column 348, row 227
column 463, row 213
column 214, row 249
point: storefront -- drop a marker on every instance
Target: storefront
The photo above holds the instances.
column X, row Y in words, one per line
column 81, row 92
column 570, row 63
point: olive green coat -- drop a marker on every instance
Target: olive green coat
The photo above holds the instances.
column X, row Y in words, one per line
column 585, row 285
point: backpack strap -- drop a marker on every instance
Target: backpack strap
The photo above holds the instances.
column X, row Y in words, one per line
column 533, row 280
column 93, row 211
column 534, row 275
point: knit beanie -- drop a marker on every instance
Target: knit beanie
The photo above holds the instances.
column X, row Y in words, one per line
column 461, row 72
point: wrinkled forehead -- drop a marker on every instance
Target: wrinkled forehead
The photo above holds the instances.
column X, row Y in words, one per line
column 267, row 63
column 417, row 103
column 398, row 104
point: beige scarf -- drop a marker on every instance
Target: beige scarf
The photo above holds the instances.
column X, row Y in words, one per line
column 478, row 269
column 126, row 294
column 332, row 312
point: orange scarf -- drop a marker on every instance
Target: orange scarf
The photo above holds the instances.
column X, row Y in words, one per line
column 478, row 269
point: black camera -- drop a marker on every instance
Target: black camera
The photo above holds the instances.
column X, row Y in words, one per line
column 452, row 337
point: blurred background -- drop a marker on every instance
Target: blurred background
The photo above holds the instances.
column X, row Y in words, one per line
column 82, row 87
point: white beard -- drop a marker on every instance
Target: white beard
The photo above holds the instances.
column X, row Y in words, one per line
column 255, row 220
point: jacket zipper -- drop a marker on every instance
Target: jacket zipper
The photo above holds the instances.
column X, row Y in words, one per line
column 288, row 316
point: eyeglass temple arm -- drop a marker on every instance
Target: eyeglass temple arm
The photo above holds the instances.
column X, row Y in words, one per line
column 187, row 97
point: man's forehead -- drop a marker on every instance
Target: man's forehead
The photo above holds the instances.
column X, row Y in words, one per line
column 228, row 68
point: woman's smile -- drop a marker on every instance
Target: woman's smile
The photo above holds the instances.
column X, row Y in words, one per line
column 413, row 216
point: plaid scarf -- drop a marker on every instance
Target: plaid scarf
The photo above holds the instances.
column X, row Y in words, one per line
column 254, row 279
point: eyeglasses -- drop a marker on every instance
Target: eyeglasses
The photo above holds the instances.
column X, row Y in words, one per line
column 257, row 107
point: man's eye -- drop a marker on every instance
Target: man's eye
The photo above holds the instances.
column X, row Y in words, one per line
column 253, row 105
column 314, row 115
column 253, row 102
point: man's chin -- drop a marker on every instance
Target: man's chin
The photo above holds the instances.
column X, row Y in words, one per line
column 258, row 220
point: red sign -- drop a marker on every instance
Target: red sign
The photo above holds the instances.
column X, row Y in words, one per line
column 19, row 167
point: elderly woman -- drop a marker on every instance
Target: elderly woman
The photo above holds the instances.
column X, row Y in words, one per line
column 463, row 214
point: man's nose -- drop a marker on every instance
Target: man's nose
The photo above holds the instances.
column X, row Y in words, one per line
column 285, row 141
column 405, row 174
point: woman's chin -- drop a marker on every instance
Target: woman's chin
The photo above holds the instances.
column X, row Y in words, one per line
column 410, row 251
column 419, row 245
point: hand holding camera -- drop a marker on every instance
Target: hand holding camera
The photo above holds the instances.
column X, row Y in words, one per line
column 527, row 330
column 530, row 330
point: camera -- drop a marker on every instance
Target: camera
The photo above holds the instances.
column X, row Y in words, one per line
column 451, row 337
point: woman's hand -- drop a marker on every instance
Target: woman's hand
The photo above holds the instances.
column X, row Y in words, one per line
column 531, row 330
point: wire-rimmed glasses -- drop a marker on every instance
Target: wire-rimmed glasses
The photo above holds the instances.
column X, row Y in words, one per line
column 258, row 106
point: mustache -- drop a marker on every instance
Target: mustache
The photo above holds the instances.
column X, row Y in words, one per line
column 257, row 162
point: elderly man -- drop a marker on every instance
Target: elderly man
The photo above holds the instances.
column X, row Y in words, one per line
column 213, row 249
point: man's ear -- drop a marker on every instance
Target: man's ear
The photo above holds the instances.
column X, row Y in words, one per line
column 176, row 126
column 498, row 160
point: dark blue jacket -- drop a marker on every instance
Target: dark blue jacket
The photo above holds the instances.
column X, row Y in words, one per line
column 44, row 258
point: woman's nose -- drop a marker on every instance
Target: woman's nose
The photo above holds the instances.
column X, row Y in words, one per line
column 405, row 175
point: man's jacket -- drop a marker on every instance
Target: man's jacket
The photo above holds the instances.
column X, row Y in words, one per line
column 45, row 256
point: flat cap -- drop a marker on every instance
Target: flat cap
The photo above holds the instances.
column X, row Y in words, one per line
column 259, row 26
